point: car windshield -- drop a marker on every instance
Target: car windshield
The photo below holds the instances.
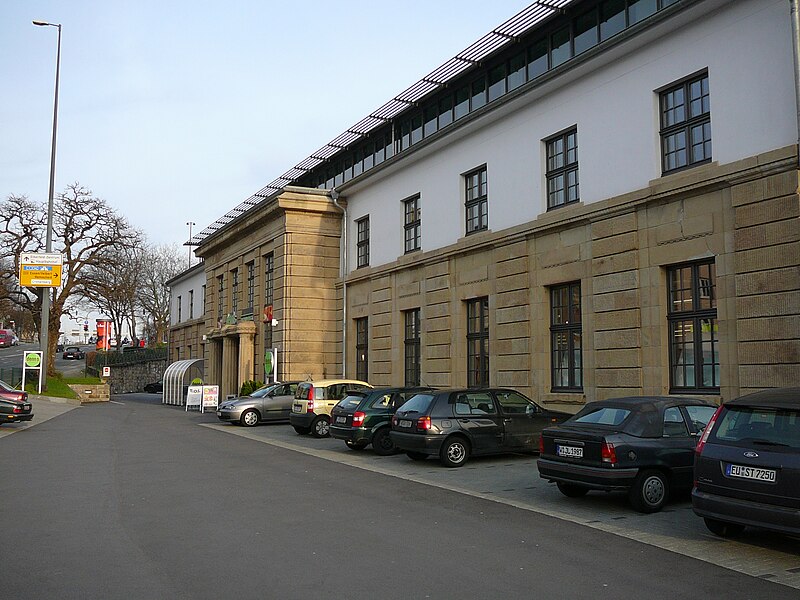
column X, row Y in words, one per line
column 72, row 349
column 264, row 390
column 606, row 415
column 759, row 426
column 418, row 403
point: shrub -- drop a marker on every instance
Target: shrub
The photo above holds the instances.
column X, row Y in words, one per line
column 248, row 387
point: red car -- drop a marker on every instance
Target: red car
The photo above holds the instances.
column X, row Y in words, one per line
column 14, row 405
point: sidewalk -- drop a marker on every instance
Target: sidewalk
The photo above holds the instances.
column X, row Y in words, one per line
column 44, row 409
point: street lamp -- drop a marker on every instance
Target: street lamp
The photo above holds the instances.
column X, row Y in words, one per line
column 189, row 243
column 45, row 325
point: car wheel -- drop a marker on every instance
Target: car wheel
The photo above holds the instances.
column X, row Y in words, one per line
column 650, row 491
column 723, row 529
column 321, row 427
column 302, row 430
column 417, row 456
column 455, row 452
column 354, row 446
column 249, row 418
column 572, row 491
column 382, row 443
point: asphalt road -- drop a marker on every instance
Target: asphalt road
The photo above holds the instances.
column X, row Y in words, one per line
column 136, row 500
column 12, row 357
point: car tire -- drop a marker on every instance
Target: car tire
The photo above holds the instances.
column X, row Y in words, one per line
column 321, row 427
column 723, row 529
column 454, row 452
column 650, row 491
column 572, row 491
column 382, row 443
column 249, row 418
column 354, row 446
column 302, row 430
column 417, row 456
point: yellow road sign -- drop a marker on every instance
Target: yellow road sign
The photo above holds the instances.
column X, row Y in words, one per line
column 40, row 275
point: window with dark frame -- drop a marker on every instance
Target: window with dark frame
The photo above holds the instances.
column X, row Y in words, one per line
column 251, row 287
column 693, row 328
column 412, row 225
column 269, row 274
column 362, row 349
column 191, row 304
column 566, row 338
column 203, row 300
column 220, row 297
column 235, row 292
column 562, row 169
column 362, row 243
column 685, row 124
column 179, row 303
column 476, row 201
column 478, row 342
column 411, row 343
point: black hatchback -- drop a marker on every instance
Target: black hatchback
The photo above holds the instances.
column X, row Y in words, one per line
column 747, row 465
column 453, row 424
column 641, row 445
column 363, row 417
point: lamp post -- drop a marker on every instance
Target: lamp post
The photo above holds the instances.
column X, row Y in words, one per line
column 45, row 325
column 189, row 243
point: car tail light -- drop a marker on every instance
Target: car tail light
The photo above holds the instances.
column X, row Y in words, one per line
column 394, row 421
column 706, row 432
column 541, row 444
column 310, row 395
column 358, row 418
column 608, row 454
column 424, row 423
column 310, row 405
column 17, row 409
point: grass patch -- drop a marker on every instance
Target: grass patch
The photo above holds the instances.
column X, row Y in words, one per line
column 87, row 380
column 57, row 386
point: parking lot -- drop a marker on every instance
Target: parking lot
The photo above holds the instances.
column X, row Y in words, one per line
column 514, row 480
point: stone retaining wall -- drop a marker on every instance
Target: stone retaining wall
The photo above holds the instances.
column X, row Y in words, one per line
column 91, row 393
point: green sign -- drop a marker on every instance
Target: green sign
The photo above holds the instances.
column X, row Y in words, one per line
column 33, row 359
column 267, row 362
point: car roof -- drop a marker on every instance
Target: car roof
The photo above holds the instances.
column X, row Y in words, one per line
column 629, row 401
column 327, row 382
column 391, row 390
column 771, row 398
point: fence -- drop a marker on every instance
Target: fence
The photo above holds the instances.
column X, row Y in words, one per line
column 127, row 357
column 11, row 375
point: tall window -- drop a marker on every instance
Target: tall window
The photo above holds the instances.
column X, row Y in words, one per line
column 478, row 342
column 203, row 304
column 220, row 297
column 566, row 337
column 413, row 224
column 269, row 275
column 191, row 304
column 362, row 349
column 411, row 343
column 179, row 309
column 693, row 328
column 362, row 242
column 562, row 169
column 686, row 124
column 476, row 201
column 251, row 287
column 235, row 292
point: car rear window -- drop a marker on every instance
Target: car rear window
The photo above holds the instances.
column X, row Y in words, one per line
column 767, row 426
column 350, row 402
column 606, row 415
column 418, row 403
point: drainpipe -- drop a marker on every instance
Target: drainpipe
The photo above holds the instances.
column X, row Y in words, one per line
column 334, row 195
column 796, row 53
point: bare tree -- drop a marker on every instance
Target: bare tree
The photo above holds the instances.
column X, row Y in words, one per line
column 161, row 263
column 85, row 228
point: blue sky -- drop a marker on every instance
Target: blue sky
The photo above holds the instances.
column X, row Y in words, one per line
column 177, row 111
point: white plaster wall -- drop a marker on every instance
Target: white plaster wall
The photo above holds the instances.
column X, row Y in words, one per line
column 181, row 288
column 746, row 47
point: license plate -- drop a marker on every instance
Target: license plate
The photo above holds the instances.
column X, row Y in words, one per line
column 296, row 408
column 219, row 413
column 26, row 407
column 405, row 423
column 569, row 451
column 755, row 473
column 341, row 419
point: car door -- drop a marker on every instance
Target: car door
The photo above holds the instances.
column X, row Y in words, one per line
column 677, row 446
column 278, row 403
column 523, row 420
column 477, row 415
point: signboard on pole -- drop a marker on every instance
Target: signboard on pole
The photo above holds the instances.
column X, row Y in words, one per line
column 210, row 397
column 32, row 359
column 40, row 269
column 194, row 397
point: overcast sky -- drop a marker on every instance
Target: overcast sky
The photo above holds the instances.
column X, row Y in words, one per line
column 177, row 111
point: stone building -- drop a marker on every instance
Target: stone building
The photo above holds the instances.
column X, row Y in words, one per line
column 598, row 198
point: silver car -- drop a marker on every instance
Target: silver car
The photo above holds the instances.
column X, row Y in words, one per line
column 270, row 403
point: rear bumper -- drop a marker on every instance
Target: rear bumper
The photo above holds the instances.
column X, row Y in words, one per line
column 746, row 512
column 357, row 435
column 414, row 442
column 301, row 419
column 595, row 478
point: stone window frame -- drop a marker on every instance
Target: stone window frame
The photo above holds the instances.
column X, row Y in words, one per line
column 412, row 347
column 478, row 342
column 566, row 337
column 362, row 348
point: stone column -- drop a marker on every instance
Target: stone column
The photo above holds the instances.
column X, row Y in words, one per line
column 247, row 333
column 229, row 384
column 213, row 376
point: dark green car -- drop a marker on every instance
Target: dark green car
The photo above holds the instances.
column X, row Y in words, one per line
column 364, row 417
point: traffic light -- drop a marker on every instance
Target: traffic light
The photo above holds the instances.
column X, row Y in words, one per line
column 86, row 328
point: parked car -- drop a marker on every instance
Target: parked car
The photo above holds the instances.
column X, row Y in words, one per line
column 641, row 445
column 14, row 404
column 454, row 424
column 73, row 353
column 747, row 465
column 313, row 401
column 364, row 417
column 6, row 339
column 157, row 387
column 269, row 403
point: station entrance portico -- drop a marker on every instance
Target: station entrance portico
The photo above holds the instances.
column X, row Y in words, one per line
column 231, row 356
